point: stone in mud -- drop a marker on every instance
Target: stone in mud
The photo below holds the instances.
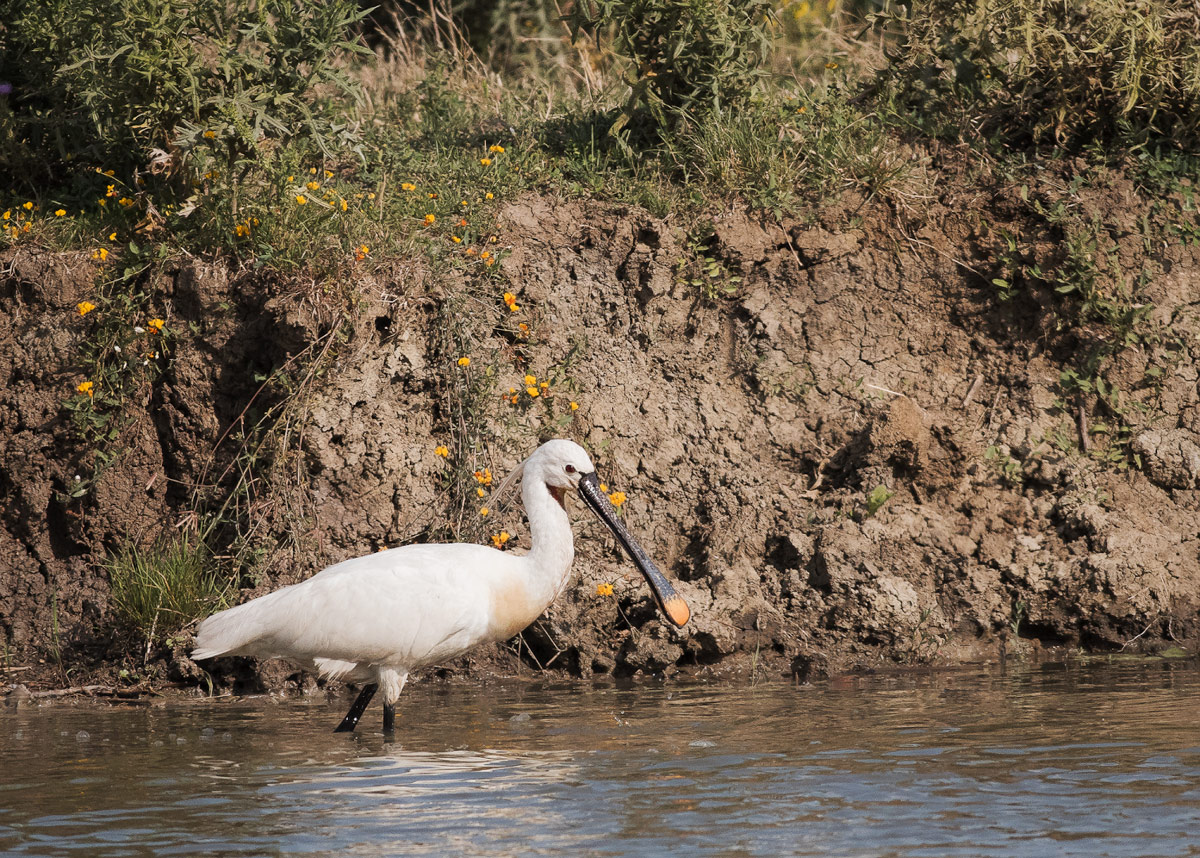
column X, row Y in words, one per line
column 1170, row 457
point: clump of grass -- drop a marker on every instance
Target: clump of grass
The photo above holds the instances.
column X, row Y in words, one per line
column 158, row 590
column 1067, row 73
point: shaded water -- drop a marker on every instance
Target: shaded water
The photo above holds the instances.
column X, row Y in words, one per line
column 1054, row 761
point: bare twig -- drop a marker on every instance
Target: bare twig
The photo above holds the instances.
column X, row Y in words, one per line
column 75, row 689
column 1082, row 423
column 1138, row 635
column 973, row 390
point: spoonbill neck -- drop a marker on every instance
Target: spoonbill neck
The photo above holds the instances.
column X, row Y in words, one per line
column 553, row 546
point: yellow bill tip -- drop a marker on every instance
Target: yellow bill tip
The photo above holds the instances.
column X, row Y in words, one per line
column 677, row 611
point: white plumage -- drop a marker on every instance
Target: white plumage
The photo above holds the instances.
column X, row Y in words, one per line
column 376, row 619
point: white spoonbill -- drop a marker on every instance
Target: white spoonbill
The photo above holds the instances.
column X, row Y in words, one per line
column 378, row 618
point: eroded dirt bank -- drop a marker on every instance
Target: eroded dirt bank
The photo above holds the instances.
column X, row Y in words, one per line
column 861, row 456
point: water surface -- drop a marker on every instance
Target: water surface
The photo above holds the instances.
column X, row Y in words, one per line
column 1056, row 760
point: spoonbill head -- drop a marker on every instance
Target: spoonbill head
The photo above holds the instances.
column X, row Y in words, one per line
column 377, row 618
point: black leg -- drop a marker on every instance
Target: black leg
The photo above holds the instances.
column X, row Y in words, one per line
column 389, row 719
column 356, row 710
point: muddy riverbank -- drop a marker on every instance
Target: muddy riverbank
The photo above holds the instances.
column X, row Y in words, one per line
column 857, row 440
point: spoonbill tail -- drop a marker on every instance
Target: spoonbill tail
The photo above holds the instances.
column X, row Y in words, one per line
column 378, row 618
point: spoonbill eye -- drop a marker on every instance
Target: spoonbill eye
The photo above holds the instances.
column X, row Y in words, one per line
column 570, row 469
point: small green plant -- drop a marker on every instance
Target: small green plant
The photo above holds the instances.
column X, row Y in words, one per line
column 125, row 349
column 1008, row 468
column 1016, row 614
column 700, row 268
column 159, row 589
column 877, row 498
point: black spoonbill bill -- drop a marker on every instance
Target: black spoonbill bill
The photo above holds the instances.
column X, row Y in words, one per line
column 378, row 618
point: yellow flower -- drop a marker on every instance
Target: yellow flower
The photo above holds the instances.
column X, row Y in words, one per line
column 291, row 179
column 441, row 450
column 530, row 380
column 241, row 230
column 85, row 307
column 312, row 186
column 125, row 201
column 60, row 212
column 456, row 239
column 100, row 253
column 463, row 203
column 533, row 391
column 544, row 385
column 831, row 65
column 86, row 387
column 343, row 205
column 433, row 196
column 371, row 196
column 312, row 171
column 498, row 539
column 487, row 162
column 479, row 492
column 301, row 199
column 430, row 219
column 209, row 135
column 483, row 511
column 510, row 298
column 112, row 236
column 328, row 174
column 617, row 498
column 27, row 206
column 495, row 148
column 604, row 589
column 574, row 406
column 603, row 488
column 8, row 214
column 155, row 326
column 464, row 361
column 408, row 186
column 488, row 196
column 485, row 476
column 362, row 252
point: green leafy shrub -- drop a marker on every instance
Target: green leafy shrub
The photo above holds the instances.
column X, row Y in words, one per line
column 1043, row 70
column 688, row 60
column 133, row 84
